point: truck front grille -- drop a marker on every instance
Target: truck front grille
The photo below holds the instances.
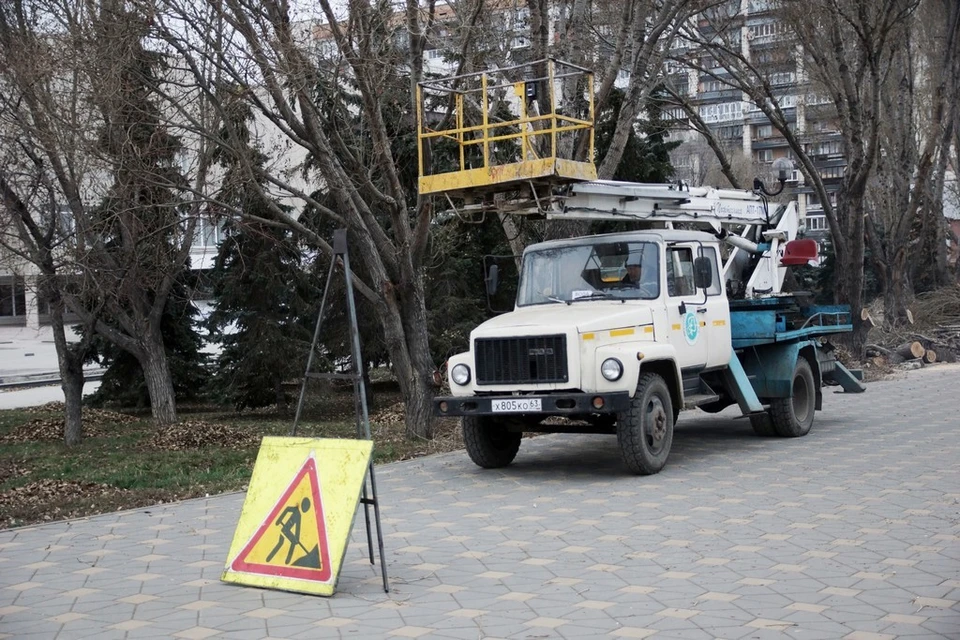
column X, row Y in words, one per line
column 521, row 360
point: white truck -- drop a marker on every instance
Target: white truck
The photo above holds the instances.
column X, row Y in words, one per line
column 619, row 352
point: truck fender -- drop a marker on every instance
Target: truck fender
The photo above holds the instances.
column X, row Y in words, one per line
column 657, row 358
column 810, row 352
column 467, row 359
column 770, row 367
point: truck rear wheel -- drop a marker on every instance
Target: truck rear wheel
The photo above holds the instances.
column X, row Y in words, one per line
column 792, row 417
column 645, row 430
column 489, row 444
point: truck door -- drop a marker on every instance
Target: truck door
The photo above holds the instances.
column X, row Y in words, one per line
column 698, row 322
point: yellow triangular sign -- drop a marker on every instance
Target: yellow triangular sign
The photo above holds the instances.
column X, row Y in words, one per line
column 292, row 541
column 295, row 525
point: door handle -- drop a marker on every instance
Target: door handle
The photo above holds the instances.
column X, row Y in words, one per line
column 702, row 310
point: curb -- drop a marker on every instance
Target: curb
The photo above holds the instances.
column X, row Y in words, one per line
column 43, row 379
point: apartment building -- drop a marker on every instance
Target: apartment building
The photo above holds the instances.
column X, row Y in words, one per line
column 747, row 135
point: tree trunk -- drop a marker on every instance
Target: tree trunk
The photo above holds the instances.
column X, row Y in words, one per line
column 156, row 372
column 422, row 387
column 70, row 363
column 896, row 291
column 71, row 381
column 279, row 397
column 406, row 339
column 850, row 256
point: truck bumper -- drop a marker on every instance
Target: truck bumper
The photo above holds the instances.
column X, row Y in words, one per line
column 551, row 404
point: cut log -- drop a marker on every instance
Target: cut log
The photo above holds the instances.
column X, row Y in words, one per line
column 909, row 316
column 930, row 356
column 883, row 353
column 911, row 350
column 911, row 364
column 867, row 318
column 876, row 350
column 946, row 355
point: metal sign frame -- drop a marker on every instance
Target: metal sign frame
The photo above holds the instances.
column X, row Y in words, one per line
column 341, row 251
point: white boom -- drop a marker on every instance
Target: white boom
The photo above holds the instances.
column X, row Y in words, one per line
column 712, row 209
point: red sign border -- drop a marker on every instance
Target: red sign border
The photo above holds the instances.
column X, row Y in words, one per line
column 313, row 575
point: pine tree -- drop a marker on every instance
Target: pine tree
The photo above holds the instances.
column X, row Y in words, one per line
column 123, row 383
column 260, row 291
column 647, row 154
column 133, row 280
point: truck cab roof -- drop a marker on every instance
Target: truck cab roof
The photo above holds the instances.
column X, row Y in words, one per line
column 656, row 235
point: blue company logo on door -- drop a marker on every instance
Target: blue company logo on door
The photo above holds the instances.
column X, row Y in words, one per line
column 691, row 328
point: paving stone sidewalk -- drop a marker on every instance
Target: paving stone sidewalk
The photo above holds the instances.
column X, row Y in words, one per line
column 851, row 532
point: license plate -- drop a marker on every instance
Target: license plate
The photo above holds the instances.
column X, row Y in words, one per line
column 516, row 405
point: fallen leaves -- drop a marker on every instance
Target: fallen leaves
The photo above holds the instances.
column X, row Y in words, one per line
column 196, row 434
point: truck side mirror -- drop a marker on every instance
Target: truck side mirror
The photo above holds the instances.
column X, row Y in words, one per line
column 702, row 273
column 492, row 279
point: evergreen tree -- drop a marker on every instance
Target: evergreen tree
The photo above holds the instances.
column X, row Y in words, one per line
column 260, row 290
column 646, row 157
column 123, row 383
column 134, row 275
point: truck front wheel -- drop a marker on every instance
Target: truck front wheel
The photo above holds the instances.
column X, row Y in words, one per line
column 792, row 417
column 645, row 429
column 489, row 443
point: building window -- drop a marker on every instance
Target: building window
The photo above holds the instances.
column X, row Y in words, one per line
column 817, row 223
column 731, row 133
column 762, row 131
column 764, row 30
column 832, row 172
column 765, row 155
column 829, row 148
column 208, row 232
column 13, row 297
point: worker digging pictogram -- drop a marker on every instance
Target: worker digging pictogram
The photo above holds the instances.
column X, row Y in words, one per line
column 292, row 541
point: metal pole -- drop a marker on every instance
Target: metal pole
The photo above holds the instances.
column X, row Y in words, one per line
column 340, row 242
column 313, row 348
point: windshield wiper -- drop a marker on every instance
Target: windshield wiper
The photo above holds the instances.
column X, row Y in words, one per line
column 556, row 299
column 594, row 295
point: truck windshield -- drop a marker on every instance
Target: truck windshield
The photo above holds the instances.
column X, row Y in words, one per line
column 581, row 272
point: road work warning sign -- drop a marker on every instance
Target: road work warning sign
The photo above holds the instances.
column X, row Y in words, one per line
column 297, row 516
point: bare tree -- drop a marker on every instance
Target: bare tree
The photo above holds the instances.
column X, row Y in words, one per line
column 90, row 136
column 349, row 114
column 844, row 49
column 905, row 196
column 731, row 163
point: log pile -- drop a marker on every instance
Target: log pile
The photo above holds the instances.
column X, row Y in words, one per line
column 932, row 335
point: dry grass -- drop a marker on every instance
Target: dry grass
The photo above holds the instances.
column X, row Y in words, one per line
column 126, row 462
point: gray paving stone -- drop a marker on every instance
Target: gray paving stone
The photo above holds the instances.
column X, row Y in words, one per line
column 720, row 519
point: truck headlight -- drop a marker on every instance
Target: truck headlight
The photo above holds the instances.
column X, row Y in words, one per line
column 611, row 369
column 460, row 374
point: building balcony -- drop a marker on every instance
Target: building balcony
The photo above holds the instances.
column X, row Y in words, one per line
column 725, row 95
column 768, row 143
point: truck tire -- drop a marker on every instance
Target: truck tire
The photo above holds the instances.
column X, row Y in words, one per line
column 792, row 417
column 489, row 444
column 645, row 429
